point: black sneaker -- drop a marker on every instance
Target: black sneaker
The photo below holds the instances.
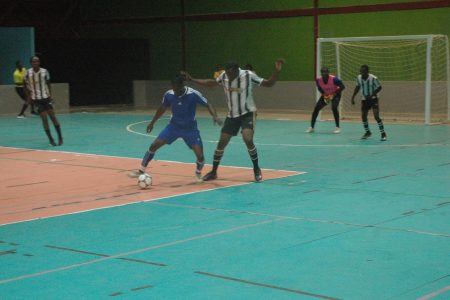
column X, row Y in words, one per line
column 52, row 143
column 60, row 142
column 258, row 174
column 366, row 135
column 210, row 176
column 383, row 136
column 34, row 113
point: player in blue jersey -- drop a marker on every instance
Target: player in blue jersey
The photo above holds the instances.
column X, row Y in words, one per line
column 183, row 102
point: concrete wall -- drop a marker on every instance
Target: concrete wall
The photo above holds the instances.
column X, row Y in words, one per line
column 397, row 99
column 10, row 102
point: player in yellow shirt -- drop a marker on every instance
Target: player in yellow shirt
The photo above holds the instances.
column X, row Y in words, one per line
column 18, row 75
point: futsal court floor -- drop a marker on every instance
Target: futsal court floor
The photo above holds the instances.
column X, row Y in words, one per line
column 336, row 217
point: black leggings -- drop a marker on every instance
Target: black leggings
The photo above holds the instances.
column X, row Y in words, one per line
column 321, row 104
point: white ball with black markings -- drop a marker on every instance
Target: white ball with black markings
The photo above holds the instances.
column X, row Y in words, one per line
column 145, row 181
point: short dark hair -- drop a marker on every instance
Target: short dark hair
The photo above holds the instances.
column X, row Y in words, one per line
column 231, row 65
column 365, row 67
column 177, row 79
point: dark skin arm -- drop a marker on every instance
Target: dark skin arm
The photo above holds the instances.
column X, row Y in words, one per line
column 159, row 112
column 271, row 81
column 213, row 113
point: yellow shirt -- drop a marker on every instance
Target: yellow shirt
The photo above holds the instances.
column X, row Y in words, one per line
column 19, row 75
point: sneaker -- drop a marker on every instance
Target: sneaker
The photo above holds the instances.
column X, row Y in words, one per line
column 135, row 174
column 21, row 116
column 337, row 130
column 383, row 136
column 258, row 174
column 198, row 176
column 52, row 143
column 60, row 142
column 309, row 130
column 366, row 135
column 34, row 113
column 210, row 176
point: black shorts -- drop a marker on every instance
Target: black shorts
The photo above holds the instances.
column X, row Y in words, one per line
column 21, row 92
column 232, row 125
column 43, row 105
column 369, row 104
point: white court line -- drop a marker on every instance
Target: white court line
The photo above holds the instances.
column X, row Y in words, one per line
column 129, row 129
column 434, row 294
column 198, row 237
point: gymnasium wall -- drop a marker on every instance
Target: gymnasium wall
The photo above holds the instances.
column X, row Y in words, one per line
column 211, row 40
column 16, row 43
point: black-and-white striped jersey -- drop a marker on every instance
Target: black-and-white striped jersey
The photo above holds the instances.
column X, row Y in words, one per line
column 37, row 83
column 367, row 86
column 239, row 92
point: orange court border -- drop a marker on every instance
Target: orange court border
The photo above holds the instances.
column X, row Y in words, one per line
column 37, row 184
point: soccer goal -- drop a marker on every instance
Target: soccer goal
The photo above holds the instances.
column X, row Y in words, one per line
column 414, row 71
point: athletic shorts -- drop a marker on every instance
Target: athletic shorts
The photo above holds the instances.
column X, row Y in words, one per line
column 369, row 103
column 171, row 133
column 232, row 125
column 43, row 105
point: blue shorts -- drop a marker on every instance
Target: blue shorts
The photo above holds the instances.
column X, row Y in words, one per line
column 171, row 133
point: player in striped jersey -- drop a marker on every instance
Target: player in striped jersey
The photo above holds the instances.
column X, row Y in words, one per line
column 238, row 87
column 370, row 87
column 183, row 102
column 38, row 90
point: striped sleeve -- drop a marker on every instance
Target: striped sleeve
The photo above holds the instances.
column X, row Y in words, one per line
column 165, row 101
column 358, row 81
column 376, row 83
column 220, row 79
column 255, row 79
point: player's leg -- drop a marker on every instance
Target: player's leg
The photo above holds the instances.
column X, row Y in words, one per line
column 52, row 115
column 167, row 136
column 44, row 119
column 335, row 109
column 21, row 94
column 365, row 106
column 319, row 105
column 248, row 123
column 193, row 140
column 230, row 128
column 376, row 115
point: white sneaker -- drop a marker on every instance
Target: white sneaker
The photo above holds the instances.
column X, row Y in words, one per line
column 21, row 117
column 198, row 176
column 135, row 174
column 309, row 130
column 337, row 130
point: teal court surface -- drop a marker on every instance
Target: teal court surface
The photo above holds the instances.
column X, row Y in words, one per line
column 360, row 219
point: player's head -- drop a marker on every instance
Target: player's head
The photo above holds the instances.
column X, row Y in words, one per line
column 19, row 65
column 35, row 62
column 178, row 84
column 364, row 71
column 324, row 72
column 232, row 70
column 248, row 67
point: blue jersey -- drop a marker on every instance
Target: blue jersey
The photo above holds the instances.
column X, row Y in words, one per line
column 183, row 107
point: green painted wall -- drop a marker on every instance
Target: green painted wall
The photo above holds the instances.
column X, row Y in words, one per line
column 258, row 42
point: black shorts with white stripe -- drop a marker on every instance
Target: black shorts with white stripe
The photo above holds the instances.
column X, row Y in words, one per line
column 231, row 126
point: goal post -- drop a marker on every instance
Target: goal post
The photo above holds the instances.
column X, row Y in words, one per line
column 414, row 71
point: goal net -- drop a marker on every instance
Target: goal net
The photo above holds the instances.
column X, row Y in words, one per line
column 413, row 71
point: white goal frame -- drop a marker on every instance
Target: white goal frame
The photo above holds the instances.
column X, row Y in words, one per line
column 429, row 41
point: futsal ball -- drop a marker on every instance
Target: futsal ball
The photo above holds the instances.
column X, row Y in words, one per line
column 144, row 181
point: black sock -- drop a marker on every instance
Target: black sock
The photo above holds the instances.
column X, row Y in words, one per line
column 50, row 138
column 58, row 130
column 254, row 156
column 216, row 161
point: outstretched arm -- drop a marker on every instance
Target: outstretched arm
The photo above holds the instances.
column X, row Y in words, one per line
column 204, row 82
column 159, row 112
column 271, row 81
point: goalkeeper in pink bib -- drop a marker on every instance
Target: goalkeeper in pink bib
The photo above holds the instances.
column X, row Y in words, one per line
column 330, row 88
